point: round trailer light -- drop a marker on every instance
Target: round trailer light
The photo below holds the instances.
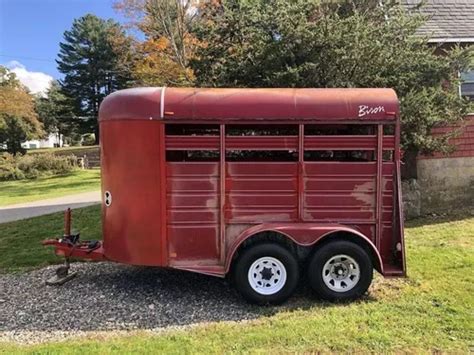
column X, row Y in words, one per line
column 108, row 198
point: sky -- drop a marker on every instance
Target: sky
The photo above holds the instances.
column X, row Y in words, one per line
column 30, row 32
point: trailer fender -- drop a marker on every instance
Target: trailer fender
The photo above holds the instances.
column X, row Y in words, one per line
column 306, row 235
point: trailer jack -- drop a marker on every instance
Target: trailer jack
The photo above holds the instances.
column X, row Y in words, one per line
column 62, row 275
column 69, row 246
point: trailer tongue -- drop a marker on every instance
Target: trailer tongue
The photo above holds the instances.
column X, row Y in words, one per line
column 70, row 246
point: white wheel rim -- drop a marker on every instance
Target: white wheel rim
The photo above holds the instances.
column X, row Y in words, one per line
column 341, row 273
column 267, row 275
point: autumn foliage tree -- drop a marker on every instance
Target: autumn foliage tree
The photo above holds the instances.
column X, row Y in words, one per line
column 163, row 58
column 18, row 119
column 155, row 67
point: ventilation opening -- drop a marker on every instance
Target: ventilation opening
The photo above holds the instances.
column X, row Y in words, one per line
column 261, row 155
column 192, row 155
column 340, row 155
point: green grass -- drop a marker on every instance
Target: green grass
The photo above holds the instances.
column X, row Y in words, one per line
column 13, row 192
column 20, row 241
column 64, row 150
column 430, row 311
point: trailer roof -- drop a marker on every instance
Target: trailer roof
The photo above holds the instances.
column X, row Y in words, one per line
column 192, row 104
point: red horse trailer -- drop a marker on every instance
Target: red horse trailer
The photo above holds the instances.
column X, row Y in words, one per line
column 263, row 185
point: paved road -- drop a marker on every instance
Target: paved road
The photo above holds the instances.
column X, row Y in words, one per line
column 42, row 207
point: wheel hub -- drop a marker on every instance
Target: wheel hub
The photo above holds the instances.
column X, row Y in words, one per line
column 267, row 275
column 341, row 273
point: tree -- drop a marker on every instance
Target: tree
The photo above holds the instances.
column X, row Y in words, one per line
column 18, row 119
column 56, row 112
column 163, row 57
column 89, row 58
column 155, row 67
column 276, row 43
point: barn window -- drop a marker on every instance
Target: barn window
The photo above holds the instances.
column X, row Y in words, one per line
column 467, row 84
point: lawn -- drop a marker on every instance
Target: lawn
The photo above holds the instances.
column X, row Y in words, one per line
column 65, row 150
column 20, row 241
column 19, row 191
column 430, row 311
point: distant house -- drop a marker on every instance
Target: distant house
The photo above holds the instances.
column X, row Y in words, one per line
column 52, row 141
column 446, row 182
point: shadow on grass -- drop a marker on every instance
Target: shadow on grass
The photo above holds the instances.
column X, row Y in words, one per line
column 457, row 215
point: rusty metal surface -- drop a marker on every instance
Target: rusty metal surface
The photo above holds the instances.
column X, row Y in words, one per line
column 79, row 251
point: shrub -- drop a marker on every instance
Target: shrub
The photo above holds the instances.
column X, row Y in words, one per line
column 32, row 166
column 88, row 139
column 9, row 169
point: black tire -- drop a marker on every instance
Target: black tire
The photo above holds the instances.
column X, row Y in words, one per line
column 324, row 255
column 256, row 252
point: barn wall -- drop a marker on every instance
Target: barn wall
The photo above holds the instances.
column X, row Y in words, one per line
column 445, row 183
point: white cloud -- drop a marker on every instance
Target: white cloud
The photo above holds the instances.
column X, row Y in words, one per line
column 37, row 82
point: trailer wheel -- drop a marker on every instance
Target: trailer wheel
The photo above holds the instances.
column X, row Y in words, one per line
column 266, row 274
column 340, row 271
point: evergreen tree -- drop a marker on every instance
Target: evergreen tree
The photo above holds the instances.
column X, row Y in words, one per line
column 89, row 58
column 56, row 112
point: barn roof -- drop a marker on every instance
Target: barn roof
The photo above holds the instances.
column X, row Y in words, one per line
column 192, row 104
column 448, row 20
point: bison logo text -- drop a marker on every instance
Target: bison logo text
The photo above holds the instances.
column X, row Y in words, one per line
column 365, row 110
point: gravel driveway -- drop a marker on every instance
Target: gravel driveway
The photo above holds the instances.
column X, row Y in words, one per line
column 107, row 296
